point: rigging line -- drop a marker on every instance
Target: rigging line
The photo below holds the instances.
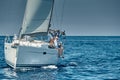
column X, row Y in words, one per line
column 62, row 15
column 56, row 16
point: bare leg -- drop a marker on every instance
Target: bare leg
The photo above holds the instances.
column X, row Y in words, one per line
column 60, row 52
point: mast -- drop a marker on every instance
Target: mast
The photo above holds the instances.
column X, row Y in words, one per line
column 20, row 32
column 51, row 14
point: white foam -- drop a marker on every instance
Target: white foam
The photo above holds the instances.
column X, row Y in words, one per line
column 50, row 67
column 72, row 64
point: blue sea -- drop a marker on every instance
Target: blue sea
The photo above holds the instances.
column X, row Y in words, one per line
column 85, row 58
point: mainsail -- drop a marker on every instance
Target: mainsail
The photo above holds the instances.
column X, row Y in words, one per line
column 37, row 17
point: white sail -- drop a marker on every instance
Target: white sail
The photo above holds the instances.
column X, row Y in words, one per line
column 37, row 17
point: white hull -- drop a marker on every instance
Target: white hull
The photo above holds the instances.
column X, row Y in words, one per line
column 27, row 56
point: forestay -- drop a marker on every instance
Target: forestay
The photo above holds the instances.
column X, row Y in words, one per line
column 37, row 17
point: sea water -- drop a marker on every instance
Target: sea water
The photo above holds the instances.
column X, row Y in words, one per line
column 85, row 58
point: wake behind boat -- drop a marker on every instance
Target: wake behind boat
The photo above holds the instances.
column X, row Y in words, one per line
column 36, row 45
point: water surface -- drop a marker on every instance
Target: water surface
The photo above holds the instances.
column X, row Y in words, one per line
column 86, row 58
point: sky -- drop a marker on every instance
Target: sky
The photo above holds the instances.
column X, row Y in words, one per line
column 76, row 17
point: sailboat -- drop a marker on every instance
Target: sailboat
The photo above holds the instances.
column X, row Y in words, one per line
column 31, row 49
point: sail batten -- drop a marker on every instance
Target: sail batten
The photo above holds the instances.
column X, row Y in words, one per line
column 37, row 17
